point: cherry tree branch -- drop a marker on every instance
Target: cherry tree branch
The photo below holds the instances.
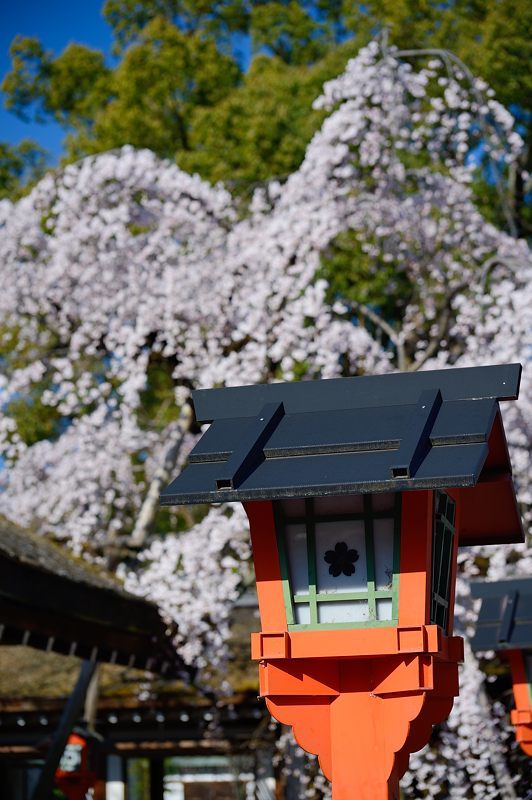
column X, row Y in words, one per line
column 431, row 350
column 511, row 264
column 385, row 327
column 175, row 434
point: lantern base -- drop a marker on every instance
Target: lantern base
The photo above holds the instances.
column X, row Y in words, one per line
column 522, row 719
column 363, row 717
column 521, row 716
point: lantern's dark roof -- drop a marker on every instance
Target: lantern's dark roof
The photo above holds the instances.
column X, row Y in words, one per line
column 53, row 601
column 423, row 430
column 505, row 616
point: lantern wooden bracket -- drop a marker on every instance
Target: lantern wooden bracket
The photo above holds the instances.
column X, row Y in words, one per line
column 386, row 706
column 357, row 643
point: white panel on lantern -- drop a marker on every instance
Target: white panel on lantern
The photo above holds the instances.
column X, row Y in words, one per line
column 328, row 536
column 383, row 549
column 383, row 501
column 343, row 611
column 384, row 608
column 296, row 548
column 302, row 613
column 339, row 504
column 293, row 508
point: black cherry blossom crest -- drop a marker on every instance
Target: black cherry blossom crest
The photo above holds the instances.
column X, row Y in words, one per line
column 341, row 559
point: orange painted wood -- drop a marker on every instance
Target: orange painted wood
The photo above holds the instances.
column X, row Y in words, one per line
column 267, row 568
column 363, row 739
column 398, row 675
column 416, row 556
column 355, row 642
column 319, row 677
column 522, row 715
column 361, row 699
column 311, row 725
column 363, row 642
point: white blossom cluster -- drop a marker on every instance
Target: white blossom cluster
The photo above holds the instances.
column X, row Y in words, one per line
column 202, row 568
column 123, row 260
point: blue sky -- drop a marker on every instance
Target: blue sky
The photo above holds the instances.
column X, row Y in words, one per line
column 55, row 23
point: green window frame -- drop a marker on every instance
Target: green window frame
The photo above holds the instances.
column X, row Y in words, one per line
column 443, row 536
column 314, row 598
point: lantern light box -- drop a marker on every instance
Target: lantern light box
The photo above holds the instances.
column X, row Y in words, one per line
column 505, row 625
column 358, row 493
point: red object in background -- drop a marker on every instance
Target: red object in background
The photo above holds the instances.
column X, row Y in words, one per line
column 74, row 777
column 521, row 715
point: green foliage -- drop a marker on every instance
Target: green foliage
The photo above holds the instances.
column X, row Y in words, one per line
column 69, row 88
column 493, row 37
column 161, row 80
column 353, row 275
column 34, row 420
column 158, row 406
column 506, row 52
column 261, row 130
column 216, row 18
column 178, row 87
column 26, row 84
column 288, row 31
column 20, row 165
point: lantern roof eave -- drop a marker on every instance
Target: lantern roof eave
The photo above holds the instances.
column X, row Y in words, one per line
column 505, row 617
column 386, row 433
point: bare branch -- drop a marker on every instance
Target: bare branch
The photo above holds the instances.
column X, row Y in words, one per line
column 511, row 264
column 175, row 433
column 385, row 327
column 443, row 325
column 367, row 312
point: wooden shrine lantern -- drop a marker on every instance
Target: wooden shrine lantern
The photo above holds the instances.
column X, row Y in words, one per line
column 505, row 625
column 76, row 773
column 358, row 493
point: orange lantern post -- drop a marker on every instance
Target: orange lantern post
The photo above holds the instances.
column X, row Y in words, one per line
column 358, row 493
column 505, row 625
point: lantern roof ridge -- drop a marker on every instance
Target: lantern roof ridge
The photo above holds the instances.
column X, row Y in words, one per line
column 505, row 617
column 499, row 382
column 397, row 432
column 489, row 588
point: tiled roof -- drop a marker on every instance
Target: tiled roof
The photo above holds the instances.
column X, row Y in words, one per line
column 53, row 601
